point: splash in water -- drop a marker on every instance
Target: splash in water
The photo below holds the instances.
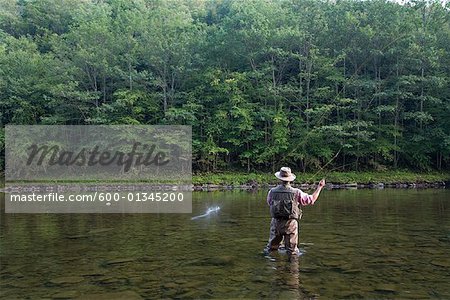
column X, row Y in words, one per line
column 208, row 212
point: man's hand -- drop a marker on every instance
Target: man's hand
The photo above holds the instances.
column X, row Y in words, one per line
column 322, row 183
column 315, row 195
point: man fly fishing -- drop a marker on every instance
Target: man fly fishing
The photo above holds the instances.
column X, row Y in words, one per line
column 285, row 209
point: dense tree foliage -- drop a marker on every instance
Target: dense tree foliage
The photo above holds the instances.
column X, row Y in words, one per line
column 341, row 85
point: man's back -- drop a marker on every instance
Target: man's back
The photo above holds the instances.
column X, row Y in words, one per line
column 284, row 203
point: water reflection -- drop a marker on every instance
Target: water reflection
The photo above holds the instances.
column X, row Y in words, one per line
column 360, row 244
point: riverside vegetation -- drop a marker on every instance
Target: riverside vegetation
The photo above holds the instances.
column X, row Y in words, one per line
column 392, row 178
column 342, row 86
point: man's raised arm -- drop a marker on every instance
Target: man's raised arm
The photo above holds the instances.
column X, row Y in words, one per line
column 316, row 193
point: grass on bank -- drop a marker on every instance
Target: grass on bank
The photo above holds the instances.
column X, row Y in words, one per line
column 236, row 178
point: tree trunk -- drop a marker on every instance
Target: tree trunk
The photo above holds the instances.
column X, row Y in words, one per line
column 164, row 97
column 396, row 118
column 164, row 84
column 129, row 76
column 104, row 89
column 308, row 85
column 274, row 81
column 422, row 71
column 248, row 158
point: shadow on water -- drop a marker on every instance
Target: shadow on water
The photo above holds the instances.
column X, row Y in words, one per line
column 357, row 244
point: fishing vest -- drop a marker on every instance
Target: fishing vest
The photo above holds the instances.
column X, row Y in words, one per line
column 284, row 204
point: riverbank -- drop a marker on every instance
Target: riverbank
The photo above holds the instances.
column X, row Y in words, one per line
column 390, row 179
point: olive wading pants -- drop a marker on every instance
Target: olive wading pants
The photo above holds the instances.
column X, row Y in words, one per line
column 288, row 229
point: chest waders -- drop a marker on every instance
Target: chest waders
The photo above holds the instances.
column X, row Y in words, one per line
column 285, row 212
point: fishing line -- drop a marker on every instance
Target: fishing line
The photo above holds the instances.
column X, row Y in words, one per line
column 207, row 213
column 323, row 167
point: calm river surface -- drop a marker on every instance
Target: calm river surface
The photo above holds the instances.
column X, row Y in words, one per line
column 356, row 244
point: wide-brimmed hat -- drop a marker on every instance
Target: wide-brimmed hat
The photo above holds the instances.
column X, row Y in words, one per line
column 285, row 174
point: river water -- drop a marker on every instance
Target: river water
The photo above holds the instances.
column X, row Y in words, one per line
column 355, row 244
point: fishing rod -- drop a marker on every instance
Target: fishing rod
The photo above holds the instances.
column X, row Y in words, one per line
column 323, row 167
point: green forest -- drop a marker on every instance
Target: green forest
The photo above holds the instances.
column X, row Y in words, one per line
column 338, row 85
